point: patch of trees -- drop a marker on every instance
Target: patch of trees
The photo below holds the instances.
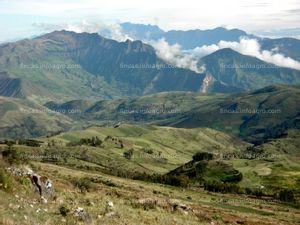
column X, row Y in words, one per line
column 115, row 141
column 27, row 142
column 94, row 141
column 218, row 186
column 178, row 181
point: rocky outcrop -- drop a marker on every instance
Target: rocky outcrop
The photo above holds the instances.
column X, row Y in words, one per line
column 43, row 184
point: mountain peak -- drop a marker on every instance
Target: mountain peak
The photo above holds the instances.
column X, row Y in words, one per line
column 224, row 52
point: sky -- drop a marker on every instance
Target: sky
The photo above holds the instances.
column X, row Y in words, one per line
column 27, row 18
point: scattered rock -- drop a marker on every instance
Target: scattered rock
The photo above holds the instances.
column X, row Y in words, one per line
column 110, row 205
column 44, row 200
column 110, row 214
column 176, row 205
column 82, row 215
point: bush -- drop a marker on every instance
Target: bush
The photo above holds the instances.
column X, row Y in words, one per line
column 232, row 177
column 286, row 195
column 13, row 156
column 63, row 210
column 6, row 182
column 178, row 181
column 199, row 156
column 84, row 184
column 128, row 154
column 258, row 193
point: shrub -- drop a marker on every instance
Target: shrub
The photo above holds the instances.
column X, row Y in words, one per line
column 128, row 154
column 6, row 182
column 178, row 181
column 13, row 156
column 63, row 210
column 146, row 205
column 286, row 195
column 84, row 184
column 232, row 177
column 199, row 156
column 258, row 193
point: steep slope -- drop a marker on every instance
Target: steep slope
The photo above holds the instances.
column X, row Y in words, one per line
column 24, row 119
column 246, row 72
column 20, row 88
column 73, row 65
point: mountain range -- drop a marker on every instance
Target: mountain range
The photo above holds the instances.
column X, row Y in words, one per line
column 190, row 39
column 66, row 65
column 74, row 65
column 187, row 39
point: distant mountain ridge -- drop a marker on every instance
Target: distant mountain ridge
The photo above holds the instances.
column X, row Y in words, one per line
column 190, row 39
column 187, row 39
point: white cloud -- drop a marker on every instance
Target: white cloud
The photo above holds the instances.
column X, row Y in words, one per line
column 174, row 55
column 249, row 47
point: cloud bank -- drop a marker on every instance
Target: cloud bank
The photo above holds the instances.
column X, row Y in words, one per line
column 175, row 56
column 249, row 47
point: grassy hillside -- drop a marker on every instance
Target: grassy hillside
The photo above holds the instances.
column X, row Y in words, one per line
column 24, row 119
column 162, row 149
column 255, row 116
column 79, row 167
column 155, row 149
column 134, row 202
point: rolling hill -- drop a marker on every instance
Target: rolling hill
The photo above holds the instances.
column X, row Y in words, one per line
column 256, row 115
column 20, row 119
